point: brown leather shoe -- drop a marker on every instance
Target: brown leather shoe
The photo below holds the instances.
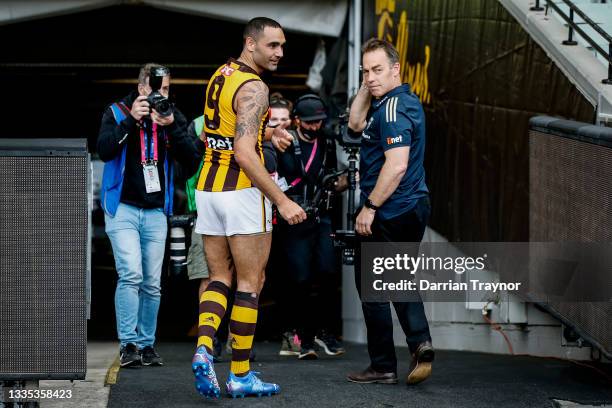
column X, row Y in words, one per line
column 369, row 376
column 420, row 367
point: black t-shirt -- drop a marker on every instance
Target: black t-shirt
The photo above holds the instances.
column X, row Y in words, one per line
column 134, row 191
column 290, row 169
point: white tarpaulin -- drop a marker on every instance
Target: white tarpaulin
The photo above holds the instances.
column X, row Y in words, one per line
column 16, row 11
column 321, row 17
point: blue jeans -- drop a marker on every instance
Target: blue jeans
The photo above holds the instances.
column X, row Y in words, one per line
column 138, row 237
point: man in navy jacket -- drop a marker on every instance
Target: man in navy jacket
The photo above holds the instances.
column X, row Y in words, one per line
column 395, row 203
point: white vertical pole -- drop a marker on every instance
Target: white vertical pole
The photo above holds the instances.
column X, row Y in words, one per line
column 351, row 49
column 354, row 44
column 358, row 30
column 353, row 328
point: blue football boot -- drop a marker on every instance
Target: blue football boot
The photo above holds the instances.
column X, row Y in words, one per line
column 250, row 384
column 205, row 378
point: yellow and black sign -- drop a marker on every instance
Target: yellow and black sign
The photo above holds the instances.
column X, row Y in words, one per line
column 392, row 25
column 480, row 77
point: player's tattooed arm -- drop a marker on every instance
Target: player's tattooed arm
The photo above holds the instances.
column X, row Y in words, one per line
column 251, row 106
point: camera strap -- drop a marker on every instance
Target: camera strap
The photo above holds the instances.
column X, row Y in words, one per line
column 298, row 157
column 120, row 111
column 124, row 108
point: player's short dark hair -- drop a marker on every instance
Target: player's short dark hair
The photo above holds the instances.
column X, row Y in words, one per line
column 257, row 25
column 374, row 44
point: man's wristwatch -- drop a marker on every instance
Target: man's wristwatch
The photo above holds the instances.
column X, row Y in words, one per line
column 369, row 204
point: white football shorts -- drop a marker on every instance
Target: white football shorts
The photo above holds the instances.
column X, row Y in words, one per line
column 227, row 213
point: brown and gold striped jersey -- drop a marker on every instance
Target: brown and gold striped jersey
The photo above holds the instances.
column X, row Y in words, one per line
column 220, row 171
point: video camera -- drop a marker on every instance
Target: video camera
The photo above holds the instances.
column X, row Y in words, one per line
column 339, row 130
column 156, row 100
column 322, row 201
column 351, row 142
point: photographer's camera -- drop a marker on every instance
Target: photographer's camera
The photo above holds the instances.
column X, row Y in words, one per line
column 156, row 100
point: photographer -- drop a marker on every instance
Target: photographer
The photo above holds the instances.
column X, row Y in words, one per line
column 307, row 248
column 395, row 203
column 137, row 136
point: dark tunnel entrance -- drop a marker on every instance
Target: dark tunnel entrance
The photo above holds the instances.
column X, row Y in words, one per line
column 59, row 73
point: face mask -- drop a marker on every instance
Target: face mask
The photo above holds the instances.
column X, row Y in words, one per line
column 311, row 134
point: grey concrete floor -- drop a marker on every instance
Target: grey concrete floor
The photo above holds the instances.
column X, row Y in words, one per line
column 460, row 379
column 91, row 392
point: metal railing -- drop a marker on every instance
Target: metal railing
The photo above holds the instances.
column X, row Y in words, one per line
column 573, row 26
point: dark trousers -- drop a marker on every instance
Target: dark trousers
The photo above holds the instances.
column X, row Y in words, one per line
column 308, row 263
column 407, row 227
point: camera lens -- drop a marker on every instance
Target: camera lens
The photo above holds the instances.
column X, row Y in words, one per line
column 160, row 103
column 178, row 250
column 163, row 107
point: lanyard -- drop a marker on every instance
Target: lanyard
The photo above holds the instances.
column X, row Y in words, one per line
column 145, row 146
column 310, row 159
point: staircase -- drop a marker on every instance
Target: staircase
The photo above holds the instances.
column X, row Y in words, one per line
column 581, row 63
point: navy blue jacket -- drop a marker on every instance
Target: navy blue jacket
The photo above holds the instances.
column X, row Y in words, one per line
column 396, row 119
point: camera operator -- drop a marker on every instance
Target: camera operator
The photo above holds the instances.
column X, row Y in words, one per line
column 307, row 248
column 395, row 203
column 137, row 136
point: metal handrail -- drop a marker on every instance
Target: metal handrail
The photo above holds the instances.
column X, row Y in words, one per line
column 590, row 22
column 572, row 26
